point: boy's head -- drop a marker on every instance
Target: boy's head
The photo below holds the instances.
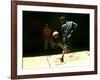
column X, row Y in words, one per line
column 62, row 19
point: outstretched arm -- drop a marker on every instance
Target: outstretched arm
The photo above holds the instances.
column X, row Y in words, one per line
column 74, row 25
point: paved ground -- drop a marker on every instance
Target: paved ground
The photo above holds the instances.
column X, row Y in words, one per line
column 51, row 61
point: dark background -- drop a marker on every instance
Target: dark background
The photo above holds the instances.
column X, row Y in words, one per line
column 33, row 23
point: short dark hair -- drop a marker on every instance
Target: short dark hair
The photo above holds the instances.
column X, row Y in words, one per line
column 62, row 18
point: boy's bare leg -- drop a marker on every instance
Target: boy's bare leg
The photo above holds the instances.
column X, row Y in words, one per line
column 62, row 46
column 65, row 50
column 62, row 57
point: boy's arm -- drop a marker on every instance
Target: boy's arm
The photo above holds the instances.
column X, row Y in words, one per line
column 73, row 27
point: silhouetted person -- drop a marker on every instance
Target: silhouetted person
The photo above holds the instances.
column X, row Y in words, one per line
column 67, row 27
column 47, row 37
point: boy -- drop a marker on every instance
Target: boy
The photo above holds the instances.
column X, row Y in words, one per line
column 67, row 27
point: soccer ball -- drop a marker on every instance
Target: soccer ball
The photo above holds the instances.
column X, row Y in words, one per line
column 55, row 34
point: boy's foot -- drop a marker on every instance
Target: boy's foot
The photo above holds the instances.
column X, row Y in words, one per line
column 61, row 59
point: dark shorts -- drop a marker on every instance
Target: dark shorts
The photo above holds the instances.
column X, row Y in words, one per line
column 67, row 42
